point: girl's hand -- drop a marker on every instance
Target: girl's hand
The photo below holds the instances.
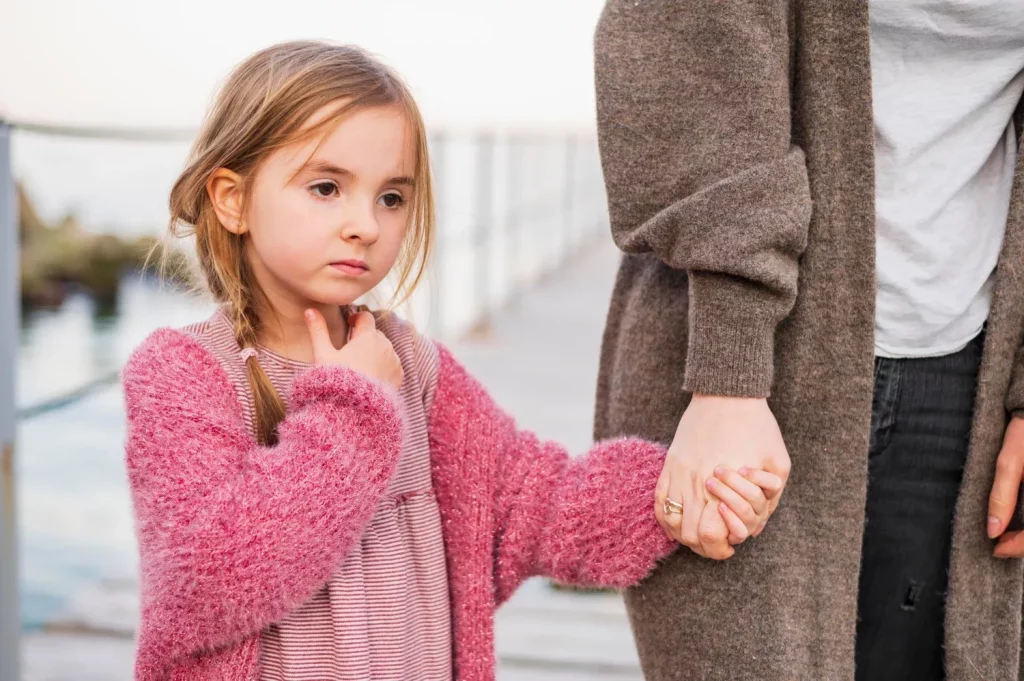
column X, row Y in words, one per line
column 368, row 351
column 746, row 497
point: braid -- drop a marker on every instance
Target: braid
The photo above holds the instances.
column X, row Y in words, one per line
column 269, row 406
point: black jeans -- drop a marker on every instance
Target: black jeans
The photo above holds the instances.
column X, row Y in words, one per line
column 920, row 424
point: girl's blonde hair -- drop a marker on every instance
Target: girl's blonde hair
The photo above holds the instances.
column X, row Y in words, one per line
column 264, row 105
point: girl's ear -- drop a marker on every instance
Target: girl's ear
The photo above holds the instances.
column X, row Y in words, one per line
column 225, row 191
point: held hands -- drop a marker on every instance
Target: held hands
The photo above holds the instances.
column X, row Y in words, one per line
column 723, row 511
column 368, row 351
column 727, row 466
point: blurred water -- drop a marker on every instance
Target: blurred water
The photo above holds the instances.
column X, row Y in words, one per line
column 74, row 511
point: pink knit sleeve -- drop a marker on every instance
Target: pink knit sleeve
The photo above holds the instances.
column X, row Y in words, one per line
column 233, row 535
column 586, row 521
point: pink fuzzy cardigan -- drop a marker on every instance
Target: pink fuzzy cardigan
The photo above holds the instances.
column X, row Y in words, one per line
column 234, row 535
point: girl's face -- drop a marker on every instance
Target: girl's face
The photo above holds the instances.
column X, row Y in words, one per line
column 326, row 218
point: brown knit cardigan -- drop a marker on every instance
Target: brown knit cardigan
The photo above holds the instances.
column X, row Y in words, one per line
column 737, row 145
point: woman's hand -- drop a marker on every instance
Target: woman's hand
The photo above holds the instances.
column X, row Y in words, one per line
column 727, row 433
column 1003, row 499
column 367, row 351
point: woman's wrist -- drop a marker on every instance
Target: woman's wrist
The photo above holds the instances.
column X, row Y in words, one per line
column 709, row 398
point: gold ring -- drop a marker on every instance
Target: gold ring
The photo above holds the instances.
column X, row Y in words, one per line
column 673, row 507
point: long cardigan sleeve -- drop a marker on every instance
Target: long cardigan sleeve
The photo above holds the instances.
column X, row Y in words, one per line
column 694, row 124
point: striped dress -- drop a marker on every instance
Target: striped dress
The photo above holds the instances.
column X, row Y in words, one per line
column 385, row 613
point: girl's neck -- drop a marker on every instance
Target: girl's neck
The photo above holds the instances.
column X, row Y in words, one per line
column 285, row 332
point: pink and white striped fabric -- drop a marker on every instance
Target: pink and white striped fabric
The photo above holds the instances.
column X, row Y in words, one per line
column 385, row 613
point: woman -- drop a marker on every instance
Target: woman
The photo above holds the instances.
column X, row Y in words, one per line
column 824, row 239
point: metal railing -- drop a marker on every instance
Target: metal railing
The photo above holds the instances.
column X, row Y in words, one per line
column 10, row 621
column 512, row 206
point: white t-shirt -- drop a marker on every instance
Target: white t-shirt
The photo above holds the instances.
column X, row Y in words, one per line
column 946, row 78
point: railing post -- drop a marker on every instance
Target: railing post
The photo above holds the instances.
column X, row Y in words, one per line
column 483, row 224
column 570, row 241
column 435, row 314
column 10, row 618
column 513, row 219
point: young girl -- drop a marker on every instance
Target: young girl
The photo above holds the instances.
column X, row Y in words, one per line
column 321, row 493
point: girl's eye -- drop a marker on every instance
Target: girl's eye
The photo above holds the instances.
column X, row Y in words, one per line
column 324, row 190
column 391, row 200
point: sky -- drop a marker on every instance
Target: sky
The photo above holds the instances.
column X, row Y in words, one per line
column 142, row 63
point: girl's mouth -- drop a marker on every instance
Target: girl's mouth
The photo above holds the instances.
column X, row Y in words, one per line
column 351, row 267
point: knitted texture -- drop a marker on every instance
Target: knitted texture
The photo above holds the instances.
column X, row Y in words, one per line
column 737, row 142
column 234, row 535
column 514, row 507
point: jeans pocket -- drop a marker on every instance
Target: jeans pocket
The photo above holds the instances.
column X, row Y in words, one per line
column 884, row 404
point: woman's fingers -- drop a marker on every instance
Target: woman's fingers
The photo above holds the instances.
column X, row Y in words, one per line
column 660, row 494
column 675, row 518
column 1007, row 483
column 686, row 523
column 682, row 526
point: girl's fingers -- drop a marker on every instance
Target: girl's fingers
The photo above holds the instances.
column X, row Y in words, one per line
column 760, row 528
column 361, row 323
column 740, row 507
column 769, row 483
column 714, row 533
column 738, row 532
column 319, row 335
column 745, row 488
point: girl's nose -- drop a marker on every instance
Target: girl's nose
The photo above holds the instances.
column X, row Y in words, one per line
column 361, row 225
